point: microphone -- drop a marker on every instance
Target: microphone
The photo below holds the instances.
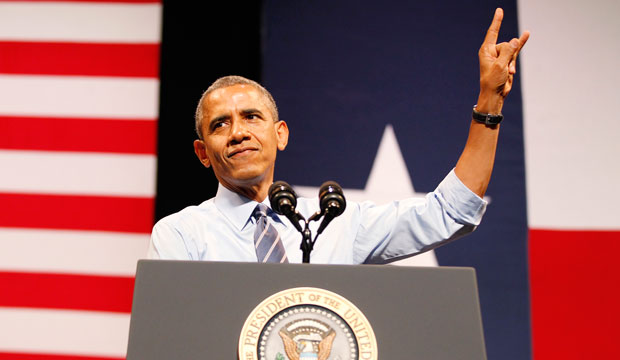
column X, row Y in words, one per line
column 283, row 201
column 332, row 203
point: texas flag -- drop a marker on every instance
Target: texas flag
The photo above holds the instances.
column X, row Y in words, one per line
column 377, row 97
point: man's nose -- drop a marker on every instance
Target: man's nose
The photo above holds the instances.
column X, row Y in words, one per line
column 238, row 131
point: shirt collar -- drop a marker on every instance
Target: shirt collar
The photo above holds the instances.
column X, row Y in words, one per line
column 237, row 208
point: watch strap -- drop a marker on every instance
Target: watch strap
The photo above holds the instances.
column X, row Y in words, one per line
column 487, row 119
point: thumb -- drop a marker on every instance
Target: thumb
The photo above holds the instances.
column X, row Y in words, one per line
column 507, row 51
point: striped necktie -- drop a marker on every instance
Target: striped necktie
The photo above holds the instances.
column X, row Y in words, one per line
column 267, row 241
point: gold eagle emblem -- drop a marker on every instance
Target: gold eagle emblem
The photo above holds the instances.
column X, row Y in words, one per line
column 307, row 340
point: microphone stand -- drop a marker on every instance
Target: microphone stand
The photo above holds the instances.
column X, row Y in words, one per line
column 284, row 200
column 307, row 244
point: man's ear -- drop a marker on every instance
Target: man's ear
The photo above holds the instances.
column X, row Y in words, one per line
column 201, row 152
column 282, row 134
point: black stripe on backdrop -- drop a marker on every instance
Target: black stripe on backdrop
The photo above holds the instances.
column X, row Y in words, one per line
column 200, row 43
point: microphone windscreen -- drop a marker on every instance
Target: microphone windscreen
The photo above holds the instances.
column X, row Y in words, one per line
column 331, row 193
column 281, row 193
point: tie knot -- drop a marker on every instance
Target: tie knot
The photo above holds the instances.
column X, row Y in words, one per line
column 260, row 211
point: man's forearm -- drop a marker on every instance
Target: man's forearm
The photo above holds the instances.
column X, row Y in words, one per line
column 475, row 165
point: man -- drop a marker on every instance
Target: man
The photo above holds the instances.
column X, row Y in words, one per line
column 240, row 134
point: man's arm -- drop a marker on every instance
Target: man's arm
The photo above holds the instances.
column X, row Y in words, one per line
column 497, row 69
column 167, row 243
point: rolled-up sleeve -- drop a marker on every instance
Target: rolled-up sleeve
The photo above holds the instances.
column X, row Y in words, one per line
column 460, row 202
column 407, row 227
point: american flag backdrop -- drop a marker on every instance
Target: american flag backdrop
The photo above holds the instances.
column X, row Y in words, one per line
column 377, row 97
column 79, row 91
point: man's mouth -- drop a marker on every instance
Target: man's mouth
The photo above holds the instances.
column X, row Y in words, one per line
column 241, row 152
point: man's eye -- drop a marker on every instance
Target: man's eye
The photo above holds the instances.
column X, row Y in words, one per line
column 252, row 117
column 217, row 125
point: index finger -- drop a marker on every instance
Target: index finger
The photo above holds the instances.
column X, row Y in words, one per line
column 493, row 32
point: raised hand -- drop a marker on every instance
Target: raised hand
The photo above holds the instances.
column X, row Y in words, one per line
column 498, row 62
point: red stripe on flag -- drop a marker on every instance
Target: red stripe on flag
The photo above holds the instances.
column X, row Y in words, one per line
column 97, row 1
column 122, row 214
column 133, row 60
column 66, row 134
column 24, row 356
column 575, row 294
column 61, row 291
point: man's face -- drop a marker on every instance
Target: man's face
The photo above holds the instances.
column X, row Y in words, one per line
column 240, row 136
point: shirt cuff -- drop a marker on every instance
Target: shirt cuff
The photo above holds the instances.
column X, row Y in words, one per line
column 462, row 204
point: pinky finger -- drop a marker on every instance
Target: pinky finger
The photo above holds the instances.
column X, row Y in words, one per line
column 523, row 39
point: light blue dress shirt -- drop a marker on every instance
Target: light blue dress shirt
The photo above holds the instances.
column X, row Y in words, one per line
column 222, row 228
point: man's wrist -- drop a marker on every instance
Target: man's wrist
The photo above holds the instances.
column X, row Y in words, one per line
column 485, row 118
column 490, row 103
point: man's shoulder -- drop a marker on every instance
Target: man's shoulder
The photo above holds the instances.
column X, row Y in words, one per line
column 189, row 215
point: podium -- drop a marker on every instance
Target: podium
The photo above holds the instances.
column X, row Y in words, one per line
column 199, row 310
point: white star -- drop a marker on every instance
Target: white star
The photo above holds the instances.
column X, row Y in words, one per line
column 389, row 180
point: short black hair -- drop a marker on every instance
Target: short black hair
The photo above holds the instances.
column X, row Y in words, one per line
column 225, row 82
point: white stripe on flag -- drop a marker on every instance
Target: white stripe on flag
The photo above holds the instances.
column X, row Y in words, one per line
column 75, row 173
column 80, row 22
column 79, row 96
column 71, row 252
column 87, row 333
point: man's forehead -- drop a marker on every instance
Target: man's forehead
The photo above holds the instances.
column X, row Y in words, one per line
column 225, row 99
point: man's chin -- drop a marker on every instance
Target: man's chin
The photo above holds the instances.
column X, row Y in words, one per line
column 246, row 178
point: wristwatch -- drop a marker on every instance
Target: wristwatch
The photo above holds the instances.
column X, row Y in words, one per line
column 487, row 119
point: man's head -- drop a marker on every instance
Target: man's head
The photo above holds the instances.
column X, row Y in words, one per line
column 227, row 81
column 240, row 135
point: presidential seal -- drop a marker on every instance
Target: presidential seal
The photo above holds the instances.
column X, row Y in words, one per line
column 307, row 324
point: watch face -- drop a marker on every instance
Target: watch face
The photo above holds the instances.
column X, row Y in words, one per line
column 494, row 119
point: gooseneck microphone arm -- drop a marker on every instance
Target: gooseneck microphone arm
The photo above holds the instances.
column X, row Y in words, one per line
column 284, row 200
